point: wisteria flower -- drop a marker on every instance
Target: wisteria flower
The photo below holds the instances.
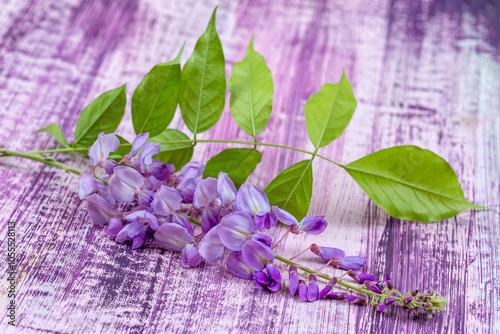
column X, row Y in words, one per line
column 338, row 259
column 310, row 225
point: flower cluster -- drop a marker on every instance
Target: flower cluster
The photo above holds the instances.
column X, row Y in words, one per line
column 140, row 197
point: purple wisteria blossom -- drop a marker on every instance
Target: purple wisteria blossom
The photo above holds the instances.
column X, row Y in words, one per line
column 337, row 258
column 141, row 198
column 310, row 225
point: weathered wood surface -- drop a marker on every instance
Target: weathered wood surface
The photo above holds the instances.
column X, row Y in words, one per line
column 424, row 72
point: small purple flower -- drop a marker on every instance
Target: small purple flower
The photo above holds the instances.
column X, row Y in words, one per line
column 205, row 193
column 99, row 210
column 327, row 288
column 166, row 201
column 256, row 255
column 252, row 200
column 270, row 280
column 140, row 222
column 310, row 225
column 188, row 178
column 99, row 151
column 148, row 151
column 226, row 190
column 382, row 308
column 312, row 289
column 361, row 278
column 237, row 266
column 182, row 221
column 338, row 258
column 375, row 289
column 293, row 280
column 125, row 184
column 390, row 300
column 337, row 295
column 356, row 300
column 190, row 256
column 144, row 217
column 302, row 290
column 388, row 282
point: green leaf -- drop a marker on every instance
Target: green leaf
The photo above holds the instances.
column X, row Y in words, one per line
column 155, row 99
column 56, row 132
column 410, row 183
column 291, row 190
column 328, row 113
column 238, row 163
column 251, row 87
column 101, row 115
column 203, row 82
column 121, row 151
column 177, row 154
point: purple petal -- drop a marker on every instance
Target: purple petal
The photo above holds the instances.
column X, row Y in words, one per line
column 166, row 201
column 312, row 289
column 351, row 262
column 190, row 175
column 252, row 200
column 390, row 300
column 382, row 307
column 144, row 217
column 125, row 183
column 209, row 219
column 139, row 142
column 114, row 227
column 205, row 192
column 211, row 248
column 183, row 221
column 375, row 289
column 160, row 170
column 237, row 266
column 312, row 225
column 235, row 229
column 109, row 166
column 337, row 295
column 326, row 253
column 293, row 280
column 265, row 221
column 99, row 151
column 130, row 231
column 226, row 190
column 148, row 151
column 99, row 210
column 303, row 290
column 139, row 240
column 324, row 291
column 351, row 298
column 173, row 237
column 261, row 279
column 87, row 186
column 256, row 255
column 190, row 256
column 265, row 239
column 285, row 217
column 275, row 276
column 361, row 278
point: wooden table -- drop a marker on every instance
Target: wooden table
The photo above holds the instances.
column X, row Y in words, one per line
column 425, row 73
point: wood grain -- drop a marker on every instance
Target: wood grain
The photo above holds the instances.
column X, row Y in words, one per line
column 425, row 73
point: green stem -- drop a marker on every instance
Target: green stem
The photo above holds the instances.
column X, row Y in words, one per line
column 84, row 149
column 49, row 161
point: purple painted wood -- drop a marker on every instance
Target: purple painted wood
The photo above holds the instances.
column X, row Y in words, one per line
column 424, row 72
